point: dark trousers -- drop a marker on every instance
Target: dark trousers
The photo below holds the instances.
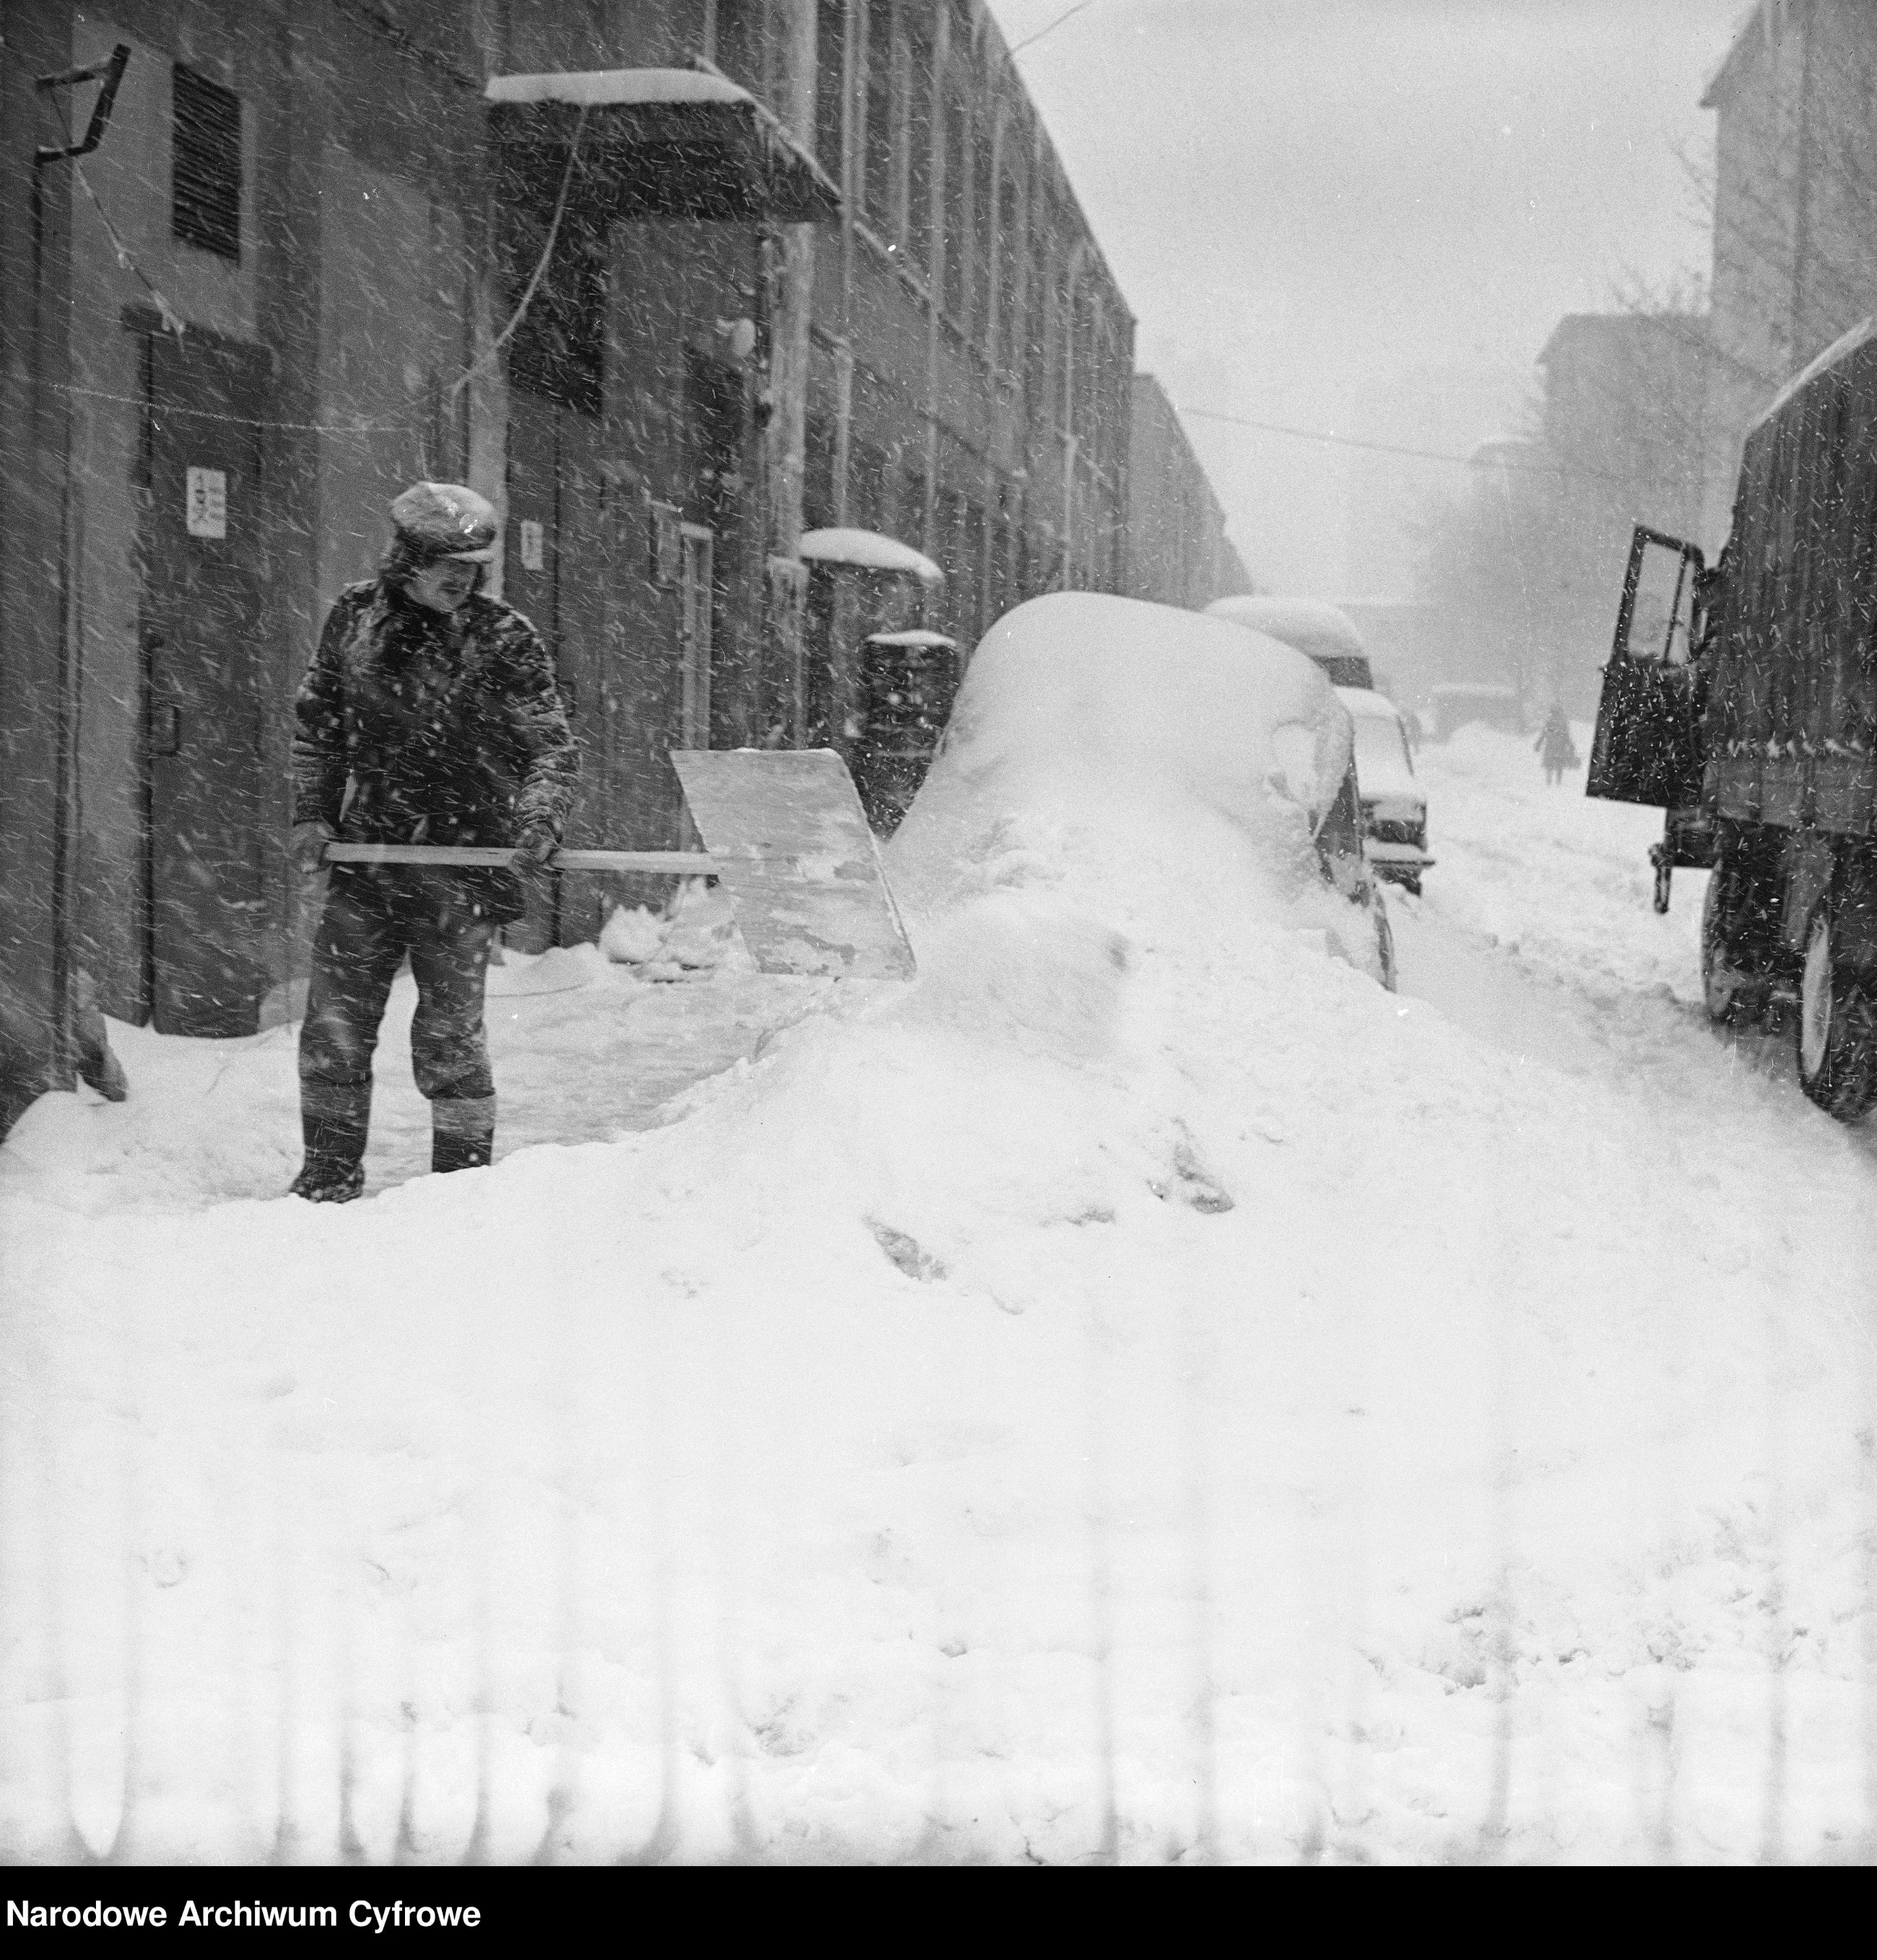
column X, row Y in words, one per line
column 373, row 915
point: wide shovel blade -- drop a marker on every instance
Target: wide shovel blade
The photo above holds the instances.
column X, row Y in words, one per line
column 786, row 835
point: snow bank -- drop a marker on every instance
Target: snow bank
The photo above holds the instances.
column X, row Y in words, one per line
column 1138, row 1390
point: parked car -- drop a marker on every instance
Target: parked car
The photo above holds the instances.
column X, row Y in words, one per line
column 1312, row 626
column 1394, row 804
column 1741, row 702
column 1082, row 715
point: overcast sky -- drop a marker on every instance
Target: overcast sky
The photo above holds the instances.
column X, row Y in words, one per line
column 1337, row 213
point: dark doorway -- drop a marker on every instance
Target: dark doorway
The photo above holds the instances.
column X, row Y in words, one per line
column 206, row 677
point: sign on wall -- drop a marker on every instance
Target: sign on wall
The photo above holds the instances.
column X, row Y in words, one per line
column 207, row 495
column 533, row 546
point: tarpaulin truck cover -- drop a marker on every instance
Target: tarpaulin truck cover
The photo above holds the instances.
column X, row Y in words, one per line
column 1791, row 726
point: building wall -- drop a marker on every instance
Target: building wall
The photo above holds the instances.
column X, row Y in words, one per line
column 1795, row 240
column 964, row 380
column 1177, row 550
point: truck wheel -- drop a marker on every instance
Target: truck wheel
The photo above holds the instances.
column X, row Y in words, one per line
column 1837, row 1028
column 1736, row 997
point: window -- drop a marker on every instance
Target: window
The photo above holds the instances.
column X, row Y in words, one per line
column 877, row 169
column 1009, row 351
column 957, row 206
column 867, row 488
column 981, row 244
column 205, row 169
column 830, row 58
column 818, row 484
column 919, row 148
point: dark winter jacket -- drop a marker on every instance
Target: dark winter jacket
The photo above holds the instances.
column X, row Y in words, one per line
column 414, row 726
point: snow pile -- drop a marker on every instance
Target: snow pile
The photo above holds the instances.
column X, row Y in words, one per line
column 1138, row 1390
column 695, row 937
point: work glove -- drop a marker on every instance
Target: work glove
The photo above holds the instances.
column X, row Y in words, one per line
column 534, row 850
column 308, row 847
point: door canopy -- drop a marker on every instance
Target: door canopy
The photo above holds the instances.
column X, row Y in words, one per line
column 872, row 551
column 656, row 142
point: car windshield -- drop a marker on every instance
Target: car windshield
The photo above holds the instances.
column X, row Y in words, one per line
column 1382, row 757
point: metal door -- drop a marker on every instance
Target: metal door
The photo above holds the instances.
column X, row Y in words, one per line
column 204, row 636
column 1647, row 747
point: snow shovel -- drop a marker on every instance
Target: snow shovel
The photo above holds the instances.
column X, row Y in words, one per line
column 784, row 829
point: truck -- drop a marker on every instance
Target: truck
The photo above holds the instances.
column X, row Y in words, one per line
column 1742, row 700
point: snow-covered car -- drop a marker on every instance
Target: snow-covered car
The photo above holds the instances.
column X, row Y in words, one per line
column 1118, row 740
column 1394, row 804
column 1313, row 626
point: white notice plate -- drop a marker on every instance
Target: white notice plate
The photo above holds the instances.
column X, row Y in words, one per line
column 533, row 552
column 207, row 515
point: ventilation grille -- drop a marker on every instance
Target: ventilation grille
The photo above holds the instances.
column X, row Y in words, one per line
column 206, row 192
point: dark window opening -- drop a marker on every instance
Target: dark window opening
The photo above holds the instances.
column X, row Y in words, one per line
column 957, row 207
column 919, row 124
column 205, row 168
column 818, row 483
column 830, row 53
column 981, row 245
column 867, row 488
column 740, row 43
column 878, row 189
column 1010, row 320
column 558, row 350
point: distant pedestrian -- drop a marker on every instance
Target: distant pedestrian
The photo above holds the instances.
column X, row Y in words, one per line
column 429, row 714
column 1555, row 748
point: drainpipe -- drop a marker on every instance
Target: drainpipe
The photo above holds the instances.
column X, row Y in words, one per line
column 788, row 375
column 1801, row 190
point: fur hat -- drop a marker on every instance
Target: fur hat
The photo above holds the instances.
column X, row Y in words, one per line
column 446, row 521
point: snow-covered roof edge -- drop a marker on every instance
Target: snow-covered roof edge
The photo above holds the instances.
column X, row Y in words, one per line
column 1846, row 344
column 913, row 636
column 614, row 88
column 843, row 545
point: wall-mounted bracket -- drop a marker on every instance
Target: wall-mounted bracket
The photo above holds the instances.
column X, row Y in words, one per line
column 110, row 73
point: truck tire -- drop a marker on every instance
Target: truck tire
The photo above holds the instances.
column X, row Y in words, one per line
column 1736, row 996
column 1837, row 1027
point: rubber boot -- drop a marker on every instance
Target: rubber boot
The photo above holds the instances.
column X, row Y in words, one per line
column 334, row 1122
column 462, row 1132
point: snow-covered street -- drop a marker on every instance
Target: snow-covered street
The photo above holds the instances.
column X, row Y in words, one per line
column 1140, row 1391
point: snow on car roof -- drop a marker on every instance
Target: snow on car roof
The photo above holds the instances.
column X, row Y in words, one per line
column 1311, row 626
column 842, row 544
column 1126, row 728
column 613, row 87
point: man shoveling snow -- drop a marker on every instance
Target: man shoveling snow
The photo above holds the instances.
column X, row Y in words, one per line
column 429, row 714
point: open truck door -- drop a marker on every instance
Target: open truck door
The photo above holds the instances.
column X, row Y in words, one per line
column 1648, row 744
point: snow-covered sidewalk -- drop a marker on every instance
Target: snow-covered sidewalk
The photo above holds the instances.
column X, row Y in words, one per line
column 1139, row 1391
